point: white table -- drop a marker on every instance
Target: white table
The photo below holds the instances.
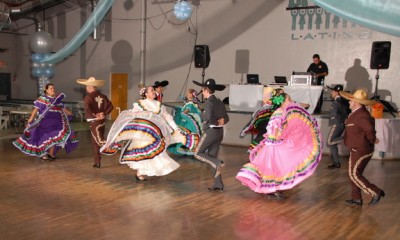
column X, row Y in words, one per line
column 246, row 98
column 388, row 132
column 305, row 94
column 19, row 118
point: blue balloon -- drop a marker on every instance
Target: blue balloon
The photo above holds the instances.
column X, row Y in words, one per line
column 49, row 72
column 37, row 57
column 37, row 72
column 47, row 55
column 183, row 10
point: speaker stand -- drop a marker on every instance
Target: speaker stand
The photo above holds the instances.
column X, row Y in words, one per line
column 376, row 97
column 203, row 74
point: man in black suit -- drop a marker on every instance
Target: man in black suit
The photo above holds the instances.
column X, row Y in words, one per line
column 338, row 113
column 214, row 117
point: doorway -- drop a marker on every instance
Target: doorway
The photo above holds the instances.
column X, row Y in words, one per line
column 119, row 93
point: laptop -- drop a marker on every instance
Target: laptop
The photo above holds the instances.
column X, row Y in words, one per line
column 281, row 80
column 253, row 79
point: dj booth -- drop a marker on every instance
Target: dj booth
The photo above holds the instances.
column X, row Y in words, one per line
column 248, row 98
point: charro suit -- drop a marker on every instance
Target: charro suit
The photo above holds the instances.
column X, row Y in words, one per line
column 94, row 103
column 338, row 113
column 360, row 136
column 208, row 148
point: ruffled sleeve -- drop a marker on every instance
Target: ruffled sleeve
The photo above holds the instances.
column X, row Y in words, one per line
column 168, row 118
column 275, row 125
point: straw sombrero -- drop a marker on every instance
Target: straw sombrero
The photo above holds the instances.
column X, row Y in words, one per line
column 91, row 82
column 359, row 96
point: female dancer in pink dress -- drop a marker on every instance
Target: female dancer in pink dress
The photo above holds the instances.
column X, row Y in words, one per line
column 289, row 153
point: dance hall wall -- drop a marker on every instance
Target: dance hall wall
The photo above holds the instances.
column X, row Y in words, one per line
column 277, row 41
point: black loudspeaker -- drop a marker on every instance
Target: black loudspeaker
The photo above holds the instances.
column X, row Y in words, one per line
column 201, row 56
column 380, row 55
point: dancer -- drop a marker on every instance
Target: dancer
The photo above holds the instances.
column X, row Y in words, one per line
column 188, row 119
column 338, row 113
column 289, row 154
column 214, row 118
column 259, row 119
column 159, row 88
column 97, row 107
column 143, row 133
column 50, row 131
column 360, row 137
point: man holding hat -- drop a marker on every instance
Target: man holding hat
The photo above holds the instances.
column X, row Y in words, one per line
column 159, row 87
column 214, row 117
column 360, row 137
column 338, row 113
column 97, row 107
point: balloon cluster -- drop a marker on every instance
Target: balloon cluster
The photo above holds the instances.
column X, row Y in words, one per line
column 41, row 44
column 183, row 10
column 40, row 69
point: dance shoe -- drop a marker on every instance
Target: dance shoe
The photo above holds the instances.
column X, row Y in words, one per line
column 219, row 169
column 140, row 178
column 51, row 158
column 96, row 165
column 354, row 202
column 334, row 166
column 376, row 199
column 215, row 189
column 276, row 196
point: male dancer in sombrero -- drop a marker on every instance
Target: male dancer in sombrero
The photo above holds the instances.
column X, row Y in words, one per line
column 214, row 118
column 97, row 107
column 360, row 137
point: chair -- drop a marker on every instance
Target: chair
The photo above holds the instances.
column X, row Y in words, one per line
column 4, row 119
column 80, row 109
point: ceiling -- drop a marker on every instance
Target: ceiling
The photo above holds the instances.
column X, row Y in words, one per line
column 24, row 8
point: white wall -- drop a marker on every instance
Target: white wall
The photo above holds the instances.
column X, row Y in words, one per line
column 264, row 28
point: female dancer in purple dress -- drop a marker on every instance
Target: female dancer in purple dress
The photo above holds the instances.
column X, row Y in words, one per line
column 50, row 131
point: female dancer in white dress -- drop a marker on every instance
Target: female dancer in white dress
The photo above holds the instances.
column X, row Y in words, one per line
column 143, row 134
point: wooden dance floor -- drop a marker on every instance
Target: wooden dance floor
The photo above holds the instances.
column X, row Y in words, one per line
column 68, row 199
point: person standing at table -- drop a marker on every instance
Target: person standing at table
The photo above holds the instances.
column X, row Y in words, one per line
column 97, row 107
column 338, row 113
column 214, row 118
column 319, row 70
column 360, row 137
column 159, row 88
column 50, row 131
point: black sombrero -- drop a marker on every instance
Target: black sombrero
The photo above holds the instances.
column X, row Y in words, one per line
column 210, row 83
column 163, row 83
column 336, row 88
